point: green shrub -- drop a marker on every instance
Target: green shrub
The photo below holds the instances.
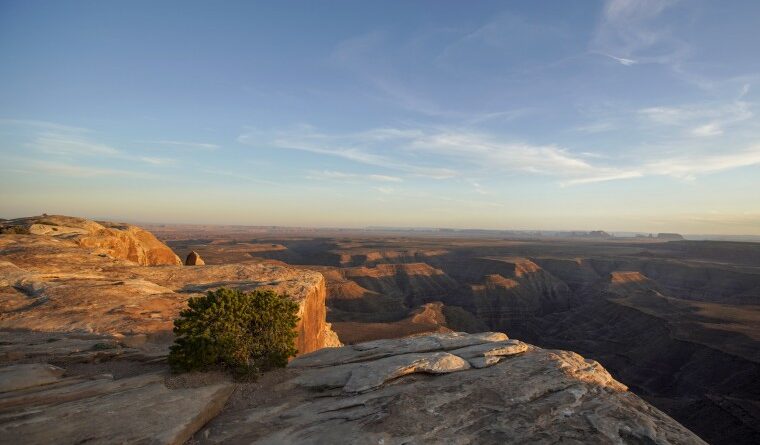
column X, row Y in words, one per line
column 245, row 332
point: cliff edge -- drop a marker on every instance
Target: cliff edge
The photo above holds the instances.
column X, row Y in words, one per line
column 64, row 274
column 441, row 388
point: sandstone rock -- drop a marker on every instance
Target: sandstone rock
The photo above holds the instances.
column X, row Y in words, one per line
column 16, row 377
column 331, row 339
column 117, row 240
column 135, row 410
column 378, row 349
column 194, row 259
column 487, row 354
column 534, row 396
column 371, row 375
column 72, row 389
column 16, row 346
column 53, row 284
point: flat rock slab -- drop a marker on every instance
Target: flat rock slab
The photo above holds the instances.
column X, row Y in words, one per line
column 372, row 375
column 16, row 377
column 136, row 413
column 526, row 395
column 378, row 349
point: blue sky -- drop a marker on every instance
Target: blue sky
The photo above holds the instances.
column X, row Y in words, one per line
column 620, row 115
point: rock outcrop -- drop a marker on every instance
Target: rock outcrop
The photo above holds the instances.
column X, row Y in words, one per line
column 101, row 410
column 118, row 240
column 194, row 259
column 98, row 392
column 56, row 284
column 442, row 388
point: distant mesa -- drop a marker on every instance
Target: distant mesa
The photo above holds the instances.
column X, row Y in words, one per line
column 594, row 234
column 670, row 237
column 194, row 259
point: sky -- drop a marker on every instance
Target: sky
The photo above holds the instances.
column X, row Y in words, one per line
column 619, row 115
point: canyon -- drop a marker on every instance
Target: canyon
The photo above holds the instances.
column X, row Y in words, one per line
column 86, row 311
column 677, row 321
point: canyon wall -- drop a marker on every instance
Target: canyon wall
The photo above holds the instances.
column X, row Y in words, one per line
column 679, row 322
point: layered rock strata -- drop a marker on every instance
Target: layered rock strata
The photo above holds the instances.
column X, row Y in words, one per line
column 442, row 388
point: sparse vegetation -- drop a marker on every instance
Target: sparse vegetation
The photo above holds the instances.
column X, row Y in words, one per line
column 244, row 332
column 14, row 230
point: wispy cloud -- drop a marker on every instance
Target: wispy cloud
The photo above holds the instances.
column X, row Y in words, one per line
column 59, row 144
column 374, row 58
column 357, row 147
column 689, row 166
column 43, row 125
column 620, row 60
column 603, row 177
column 77, row 146
column 701, row 119
column 77, row 170
column 631, row 32
column 183, row 144
column 333, row 175
column 685, row 166
column 416, row 151
column 413, row 151
column 600, row 126
column 711, row 129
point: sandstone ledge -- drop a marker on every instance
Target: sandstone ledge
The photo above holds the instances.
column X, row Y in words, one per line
column 118, row 240
column 441, row 388
column 54, row 284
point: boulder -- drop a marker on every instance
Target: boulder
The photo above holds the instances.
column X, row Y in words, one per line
column 194, row 259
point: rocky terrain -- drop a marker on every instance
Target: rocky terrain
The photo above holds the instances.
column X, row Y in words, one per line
column 676, row 321
column 442, row 388
column 85, row 324
column 86, row 312
column 122, row 241
column 53, row 281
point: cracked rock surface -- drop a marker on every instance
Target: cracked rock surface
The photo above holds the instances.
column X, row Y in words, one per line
column 442, row 388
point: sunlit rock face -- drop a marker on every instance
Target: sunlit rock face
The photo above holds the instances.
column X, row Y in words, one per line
column 71, row 282
column 118, row 240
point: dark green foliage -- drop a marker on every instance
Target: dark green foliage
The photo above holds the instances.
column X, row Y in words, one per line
column 246, row 332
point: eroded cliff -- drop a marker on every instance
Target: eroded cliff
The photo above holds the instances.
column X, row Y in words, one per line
column 60, row 283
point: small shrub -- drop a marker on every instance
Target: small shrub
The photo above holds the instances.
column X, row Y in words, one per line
column 245, row 332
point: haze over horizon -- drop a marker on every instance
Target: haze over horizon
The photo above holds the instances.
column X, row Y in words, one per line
column 622, row 115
